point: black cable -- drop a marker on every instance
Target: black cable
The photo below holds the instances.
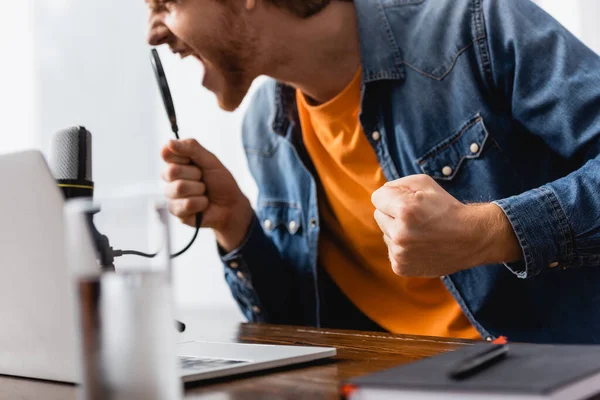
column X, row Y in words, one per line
column 198, row 225
column 119, row 253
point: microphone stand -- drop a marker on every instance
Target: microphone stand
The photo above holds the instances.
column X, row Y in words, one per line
column 105, row 252
column 106, row 255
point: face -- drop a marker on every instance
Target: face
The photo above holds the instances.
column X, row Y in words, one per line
column 215, row 33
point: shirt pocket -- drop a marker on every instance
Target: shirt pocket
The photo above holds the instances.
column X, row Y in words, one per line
column 470, row 165
column 445, row 161
column 281, row 220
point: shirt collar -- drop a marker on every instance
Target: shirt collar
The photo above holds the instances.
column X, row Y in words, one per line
column 380, row 55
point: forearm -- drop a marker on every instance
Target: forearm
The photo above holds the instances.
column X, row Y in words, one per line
column 557, row 224
column 232, row 233
column 494, row 236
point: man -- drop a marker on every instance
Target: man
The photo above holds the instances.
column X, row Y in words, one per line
column 473, row 126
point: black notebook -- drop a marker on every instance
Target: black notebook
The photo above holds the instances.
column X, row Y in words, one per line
column 529, row 371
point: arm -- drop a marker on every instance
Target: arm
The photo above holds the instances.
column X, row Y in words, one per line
column 552, row 82
column 260, row 281
column 258, row 277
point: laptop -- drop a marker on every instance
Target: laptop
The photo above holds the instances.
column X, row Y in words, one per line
column 37, row 338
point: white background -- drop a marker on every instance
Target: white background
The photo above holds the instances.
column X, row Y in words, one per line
column 83, row 62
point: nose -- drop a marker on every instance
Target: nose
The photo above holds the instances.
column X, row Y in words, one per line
column 158, row 33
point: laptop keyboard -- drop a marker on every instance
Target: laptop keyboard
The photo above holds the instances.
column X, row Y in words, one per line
column 202, row 364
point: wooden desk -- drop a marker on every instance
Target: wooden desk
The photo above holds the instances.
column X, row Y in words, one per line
column 358, row 353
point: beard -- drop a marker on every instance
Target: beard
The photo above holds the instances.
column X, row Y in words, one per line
column 235, row 61
column 234, row 65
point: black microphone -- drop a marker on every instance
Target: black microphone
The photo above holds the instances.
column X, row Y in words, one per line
column 71, row 162
column 71, row 165
column 165, row 91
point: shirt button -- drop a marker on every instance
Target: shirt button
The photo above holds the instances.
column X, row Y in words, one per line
column 447, row 171
column 268, row 224
column 376, row 136
column 474, row 148
column 554, row 264
column 293, row 226
column 313, row 223
column 240, row 275
column 234, row 265
column 256, row 309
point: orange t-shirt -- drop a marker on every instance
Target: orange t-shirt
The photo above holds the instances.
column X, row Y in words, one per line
column 351, row 246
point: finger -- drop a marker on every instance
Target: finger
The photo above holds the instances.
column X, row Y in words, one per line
column 388, row 200
column 184, row 209
column 191, row 221
column 175, row 172
column 413, row 183
column 390, row 245
column 385, row 222
column 193, row 150
column 387, row 240
column 170, row 157
column 394, row 264
column 398, row 270
column 185, row 189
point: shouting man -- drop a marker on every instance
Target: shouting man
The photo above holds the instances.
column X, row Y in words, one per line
column 425, row 167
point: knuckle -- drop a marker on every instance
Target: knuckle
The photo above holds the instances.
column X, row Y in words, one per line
column 405, row 213
column 399, row 253
column 188, row 206
column 174, row 209
column 180, row 188
column 375, row 196
column 172, row 172
column 398, row 269
column 397, row 237
column 402, row 270
column 166, row 153
column 428, row 179
column 197, row 171
column 191, row 144
column 422, row 178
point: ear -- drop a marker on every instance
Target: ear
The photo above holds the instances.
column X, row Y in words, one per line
column 250, row 4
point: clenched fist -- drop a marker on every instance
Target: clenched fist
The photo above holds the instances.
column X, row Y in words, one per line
column 431, row 234
column 198, row 182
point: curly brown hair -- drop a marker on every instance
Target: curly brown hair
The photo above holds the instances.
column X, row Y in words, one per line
column 301, row 8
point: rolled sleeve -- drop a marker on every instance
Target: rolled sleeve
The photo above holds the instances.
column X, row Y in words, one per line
column 258, row 278
column 542, row 230
column 550, row 79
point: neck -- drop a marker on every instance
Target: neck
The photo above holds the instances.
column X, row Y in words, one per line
column 320, row 55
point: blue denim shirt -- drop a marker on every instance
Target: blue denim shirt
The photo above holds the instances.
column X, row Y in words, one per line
column 494, row 100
